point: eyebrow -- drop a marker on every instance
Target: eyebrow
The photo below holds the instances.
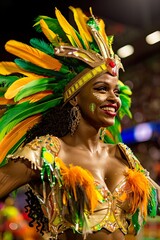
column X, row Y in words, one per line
column 99, row 82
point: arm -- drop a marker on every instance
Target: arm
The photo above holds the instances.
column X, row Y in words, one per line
column 14, row 175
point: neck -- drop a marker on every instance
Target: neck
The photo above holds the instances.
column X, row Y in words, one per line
column 85, row 137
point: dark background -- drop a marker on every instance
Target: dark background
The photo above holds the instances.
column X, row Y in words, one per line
column 129, row 21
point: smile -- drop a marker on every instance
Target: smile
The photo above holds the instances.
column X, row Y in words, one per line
column 112, row 111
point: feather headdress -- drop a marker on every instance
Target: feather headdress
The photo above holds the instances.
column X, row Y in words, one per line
column 49, row 72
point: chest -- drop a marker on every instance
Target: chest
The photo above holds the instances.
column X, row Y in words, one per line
column 107, row 167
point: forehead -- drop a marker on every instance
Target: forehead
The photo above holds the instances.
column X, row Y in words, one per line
column 106, row 79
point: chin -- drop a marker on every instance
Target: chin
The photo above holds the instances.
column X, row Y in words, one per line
column 108, row 123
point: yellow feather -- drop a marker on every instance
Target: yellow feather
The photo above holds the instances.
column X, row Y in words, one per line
column 102, row 30
column 7, row 68
column 16, row 134
column 68, row 29
column 81, row 19
column 36, row 97
column 51, row 36
column 33, row 55
column 18, row 85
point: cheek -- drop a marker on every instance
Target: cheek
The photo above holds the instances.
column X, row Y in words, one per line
column 99, row 97
column 92, row 107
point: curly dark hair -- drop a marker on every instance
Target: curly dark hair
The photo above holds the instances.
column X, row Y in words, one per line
column 34, row 211
column 56, row 122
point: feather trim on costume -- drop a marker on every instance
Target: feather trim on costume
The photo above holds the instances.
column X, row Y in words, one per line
column 79, row 194
column 141, row 189
column 74, row 176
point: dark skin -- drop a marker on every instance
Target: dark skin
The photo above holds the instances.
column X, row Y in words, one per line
column 86, row 149
column 98, row 102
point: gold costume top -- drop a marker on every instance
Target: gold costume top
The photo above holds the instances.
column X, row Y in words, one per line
column 76, row 200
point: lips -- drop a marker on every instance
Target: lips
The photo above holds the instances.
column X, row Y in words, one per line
column 110, row 110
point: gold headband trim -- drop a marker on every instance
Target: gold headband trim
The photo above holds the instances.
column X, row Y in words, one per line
column 83, row 80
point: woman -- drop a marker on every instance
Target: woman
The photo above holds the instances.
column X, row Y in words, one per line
column 80, row 187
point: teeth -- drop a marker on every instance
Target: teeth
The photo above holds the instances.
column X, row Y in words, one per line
column 110, row 109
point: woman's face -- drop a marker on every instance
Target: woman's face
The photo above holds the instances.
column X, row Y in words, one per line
column 99, row 101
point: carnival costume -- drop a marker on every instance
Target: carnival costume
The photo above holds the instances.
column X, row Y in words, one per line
column 48, row 74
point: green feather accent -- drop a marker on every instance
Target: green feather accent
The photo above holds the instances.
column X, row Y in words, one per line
column 135, row 221
column 30, row 67
column 42, row 46
column 6, row 81
column 28, row 91
column 16, row 114
column 53, row 24
column 115, row 132
column 153, row 203
column 2, row 92
column 92, row 23
column 125, row 90
column 124, row 110
column 43, row 84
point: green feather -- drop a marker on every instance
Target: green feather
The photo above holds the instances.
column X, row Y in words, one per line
column 115, row 132
column 6, row 81
column 28, row 91
column 41, row 85
column 53, row 24
column 21, row 111
column 30, row 67
column 125, row 107
column 42, row 46
column 135, row 221
column 153, row 203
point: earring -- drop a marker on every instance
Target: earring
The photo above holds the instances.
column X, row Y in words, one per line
column 75, row 119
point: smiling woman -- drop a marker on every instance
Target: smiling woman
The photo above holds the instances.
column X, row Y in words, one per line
column 60, row 134
column 99, row 101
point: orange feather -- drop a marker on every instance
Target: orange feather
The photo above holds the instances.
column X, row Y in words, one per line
column 74, row 176
column 33, row 55
column 16, row 134
column 36, row 97
column 4, row 101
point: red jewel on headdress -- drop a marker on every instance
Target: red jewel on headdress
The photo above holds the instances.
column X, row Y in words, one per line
column 112, row 64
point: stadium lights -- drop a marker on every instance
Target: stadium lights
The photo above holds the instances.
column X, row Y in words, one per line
column 153, row 37
column 125, row 51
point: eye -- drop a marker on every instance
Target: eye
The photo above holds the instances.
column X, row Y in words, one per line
column 101, row 89
column 117, row 92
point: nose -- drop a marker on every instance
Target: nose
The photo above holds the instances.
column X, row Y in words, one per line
column 114, row 98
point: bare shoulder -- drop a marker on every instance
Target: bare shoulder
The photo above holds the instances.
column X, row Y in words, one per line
column 116, row 152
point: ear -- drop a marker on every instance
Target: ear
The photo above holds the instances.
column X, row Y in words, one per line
column 73, row 101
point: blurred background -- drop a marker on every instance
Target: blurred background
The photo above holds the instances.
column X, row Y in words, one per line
column 135, row 25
